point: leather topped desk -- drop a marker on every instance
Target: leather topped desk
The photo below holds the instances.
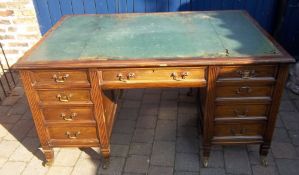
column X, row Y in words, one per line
column 72, row 76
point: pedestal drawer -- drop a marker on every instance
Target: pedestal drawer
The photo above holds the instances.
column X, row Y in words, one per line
column 244, row 91
column 64, row 96
column 252, row 72
column 239, row 129
column 72, row 114
column 241, row 111
column 58, row 78
column 73, row 133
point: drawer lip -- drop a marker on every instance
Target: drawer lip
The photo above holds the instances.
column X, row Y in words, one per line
column 234, row 119
column 62, row 124
column 232, row 140
column 74, row 143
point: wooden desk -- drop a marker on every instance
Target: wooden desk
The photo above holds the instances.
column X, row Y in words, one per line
column 72, row 75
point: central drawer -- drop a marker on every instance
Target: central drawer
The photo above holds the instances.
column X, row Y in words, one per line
column 154, row 77
column 244, row 91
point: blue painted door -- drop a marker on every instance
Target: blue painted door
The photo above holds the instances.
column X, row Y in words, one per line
column 50, row 11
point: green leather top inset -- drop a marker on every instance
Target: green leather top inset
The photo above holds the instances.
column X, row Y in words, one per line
column 170, row 35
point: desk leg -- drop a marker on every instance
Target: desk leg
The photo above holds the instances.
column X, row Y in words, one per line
column 264, row 149
column 49, row 155
column 98, row 101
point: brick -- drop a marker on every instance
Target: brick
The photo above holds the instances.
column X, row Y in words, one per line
column 115, row 167
column 281, row 135
column 168, row 113
column 165, row 130
column 19, row 108
column 4, row 21
column 163, row 154
column 216, row 159
column 35, row 166
column 3, row 131
column 287, row 106
column 28, row 12
column 153, row 91
column 128, row 114
column 187, row 120
column 286, row 166
column 236, row 160
column 149, row 109
column 185, row 173
column 151, row 98
column 187, row 145
column 140, row 148
column 124, row 126
column 292, row 95
column 188, row 132
column 5, row 13
column 186, row 162
column 146, row 122
column 154, row 170
column 283, row 150
column 131, row 104
column 135, row 94
column 137, row 164
column 54, row 170
column 291, row 125
column 261, row 170
column 212, row 171
column 7, row 37
column 20, row 130
column 122, row 139
column 188, row 108
column 2, row 161
column 169, row 95
column 11, row 100
column 86, row 167
column 294, row 135
column 255, row 158
column 119, row 150
column 143, row 135
column 90, row 153
column 67, row 157
column 12, row 168
column 289, row 116
column 25, row 151
column 17, row 44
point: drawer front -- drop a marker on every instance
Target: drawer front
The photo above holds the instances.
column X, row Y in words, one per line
column 59, row 77
column 241, row 111
column 247, row 72
column 244, row 91
column 72, row 133
column 157, row 76
column 64, row 96
column 73, row 114
column 239, row 129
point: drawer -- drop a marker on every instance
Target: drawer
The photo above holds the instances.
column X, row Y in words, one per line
column 253, row 72
column 74, row 114
column 58, row 78
column 73, row 133
column 241, row 111
column 244, row 91
column 154, row 77
column 239, row 129
column 64, row 96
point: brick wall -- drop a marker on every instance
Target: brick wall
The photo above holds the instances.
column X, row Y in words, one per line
column 18, row 28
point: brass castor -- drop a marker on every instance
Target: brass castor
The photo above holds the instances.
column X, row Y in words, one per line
column 264, row 161
column 205, row 162
column 47, row 163
column 106, row 163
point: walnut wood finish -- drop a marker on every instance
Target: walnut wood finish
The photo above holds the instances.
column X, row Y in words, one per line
column 73, row 103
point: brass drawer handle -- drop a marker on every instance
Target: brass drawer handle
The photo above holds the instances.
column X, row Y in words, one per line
column 241, row 132
column 60, row 78
column 244, row 90
column 183, row 76
column 69, row 117
column 64, row 98
column 123, row 78
column 247, row 74
column 130, row 75
column 240, row 114
column 72, row 135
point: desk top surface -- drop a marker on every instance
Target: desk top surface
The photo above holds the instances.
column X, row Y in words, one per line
column 192, row 35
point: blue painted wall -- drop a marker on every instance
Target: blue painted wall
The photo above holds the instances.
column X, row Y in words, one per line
column 50, row 11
